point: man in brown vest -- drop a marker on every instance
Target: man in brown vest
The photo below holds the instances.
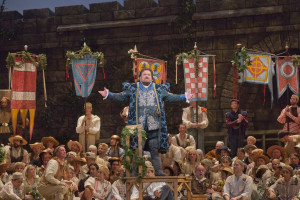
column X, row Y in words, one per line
column 51, row 186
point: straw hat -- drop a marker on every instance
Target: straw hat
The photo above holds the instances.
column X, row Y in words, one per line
column 17, row 137
column 113, row 159
column 45, row 151
column 37, row 144
column 78, row 160
column 76, row 142
column 249, row 146
column 46, row 139
column 288, row 169
column 272, row 148
column 226, row 169
column 267, row 160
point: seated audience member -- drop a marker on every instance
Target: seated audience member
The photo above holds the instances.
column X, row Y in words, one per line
column 238, row 185
column 156, row 190
column 223, row 151
column 118, row 188
column 259, row 160
column 218, row 187
column 3, row 175
column 241, row 155
column 168, row 170
column 173, row 154
column 200, row 184
column 90, row 158
column 251, row 157
column 76, row 147
column 276, row 152
column 211, row 175
column 287, row 187
column 78, row 163
column 102, row 149
column 36, row 150
column 115, row 150
column 45, row 157
column 200, row 153
column 248, row 149
column 262, row 176
column 191, row 162
column 14, row 189
column 19, row 167
column 98, row 188
column 93, row 149
column 225, row 162
column 290, row 141
column 50, row 143
column 72, row 182
column 114, row 168
column 295, row 161
column 93, row 170
column 213, row 153
column 16, row 152
column 31, row 181
column 178, row 168
column 251, row 140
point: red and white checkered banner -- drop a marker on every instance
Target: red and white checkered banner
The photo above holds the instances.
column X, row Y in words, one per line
column 23, row 92
column 196, row 84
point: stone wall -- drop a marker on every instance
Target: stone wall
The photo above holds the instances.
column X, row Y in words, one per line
column 114, row 29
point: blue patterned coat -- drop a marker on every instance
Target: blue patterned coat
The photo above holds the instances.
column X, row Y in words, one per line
column 150, row 109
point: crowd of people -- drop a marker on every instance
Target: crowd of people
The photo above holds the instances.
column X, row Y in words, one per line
column 85, row 170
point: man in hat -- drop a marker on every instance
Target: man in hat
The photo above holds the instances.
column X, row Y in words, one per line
column 114, row 150
column 50, row 142
column 289, row 140
column 213, row 153
column 276, row 152
column 236, row 122
column 5, row 120
column 287, row 187
column 51, row 187
column 238, row 185
column 195, row 124
column 290, row 116
column 36, row 150
column 44, row 157
column 88, row 126
column 90, row 158
column 146, row 107
column 16, row 152
column 75, row 146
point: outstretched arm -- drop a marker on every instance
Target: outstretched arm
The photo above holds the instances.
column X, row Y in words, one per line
column 122, row 96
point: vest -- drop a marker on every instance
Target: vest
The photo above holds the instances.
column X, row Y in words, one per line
column 19, row 159
column 59, row 174
column 178, row 143
column 294, row 112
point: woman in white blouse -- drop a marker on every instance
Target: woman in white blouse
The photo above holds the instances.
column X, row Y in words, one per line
column 98, row 188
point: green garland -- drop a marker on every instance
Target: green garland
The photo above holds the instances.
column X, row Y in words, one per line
column 85, row 51
column 2, row 154
column 192, row 54
column 296, row 60
column 40, row 62
column 238, row 55
column 132, row 153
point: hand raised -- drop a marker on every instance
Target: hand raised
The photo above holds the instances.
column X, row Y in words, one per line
column 189, row 95
column 103, row 92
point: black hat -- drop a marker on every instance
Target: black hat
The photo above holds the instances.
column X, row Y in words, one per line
column 281, row 134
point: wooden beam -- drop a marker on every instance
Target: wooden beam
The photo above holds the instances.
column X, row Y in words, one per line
column 119, row 23
column 238, row 13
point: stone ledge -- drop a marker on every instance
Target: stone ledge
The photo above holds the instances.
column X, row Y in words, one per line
column 114, row 24
column 37, row 13
column 70, row 10
column 105, row 7
column 238, row 13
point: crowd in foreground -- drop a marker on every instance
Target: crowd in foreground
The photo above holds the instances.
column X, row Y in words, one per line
column 49, row 172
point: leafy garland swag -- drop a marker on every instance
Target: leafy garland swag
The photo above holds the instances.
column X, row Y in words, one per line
column 132, row 153
column 41, row 60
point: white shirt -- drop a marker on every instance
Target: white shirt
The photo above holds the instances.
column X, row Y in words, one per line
column 8, row 191
column 236, row 186
column 93, row 124
column 102, row 188
column 150, row 190
column 51, row 170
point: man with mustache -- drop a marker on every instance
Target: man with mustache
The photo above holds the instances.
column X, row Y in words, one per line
column 16, row 152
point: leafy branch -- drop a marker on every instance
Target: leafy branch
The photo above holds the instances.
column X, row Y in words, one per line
column 241, row 60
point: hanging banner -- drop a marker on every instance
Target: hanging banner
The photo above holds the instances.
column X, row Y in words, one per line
column 23, row 92
column 261, row 71
column 157, row 66
column 84, row 73
column 197, row 85
column 287, row 76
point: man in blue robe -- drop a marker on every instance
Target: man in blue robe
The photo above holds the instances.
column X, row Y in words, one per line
column 146, row 108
